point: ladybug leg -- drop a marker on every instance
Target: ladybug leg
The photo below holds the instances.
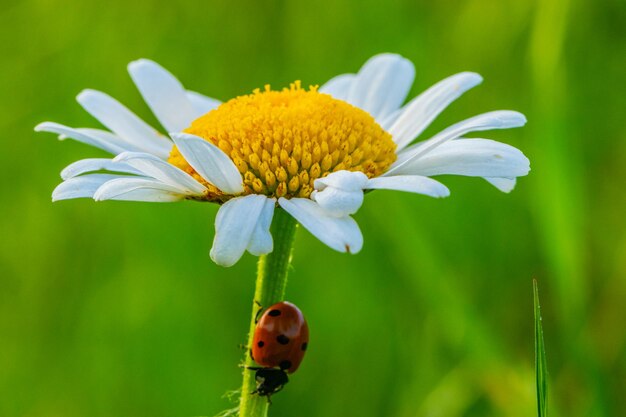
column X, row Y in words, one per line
column 279, row 389
column 258, row 313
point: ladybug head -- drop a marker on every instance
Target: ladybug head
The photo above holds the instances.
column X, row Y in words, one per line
column 270, row 381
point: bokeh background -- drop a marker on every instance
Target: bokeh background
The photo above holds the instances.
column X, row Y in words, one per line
column 114, row 309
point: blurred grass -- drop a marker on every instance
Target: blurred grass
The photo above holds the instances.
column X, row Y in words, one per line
column 114, row 309
column 541, row 365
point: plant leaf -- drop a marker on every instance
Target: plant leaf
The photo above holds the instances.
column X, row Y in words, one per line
column 541, row 369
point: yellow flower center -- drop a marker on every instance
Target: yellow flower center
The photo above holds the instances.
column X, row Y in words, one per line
column 281, row 141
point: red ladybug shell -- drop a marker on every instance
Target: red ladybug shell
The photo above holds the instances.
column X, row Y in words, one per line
column 281, row 337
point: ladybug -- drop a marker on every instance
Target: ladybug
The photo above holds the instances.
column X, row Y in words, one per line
column 280, row 340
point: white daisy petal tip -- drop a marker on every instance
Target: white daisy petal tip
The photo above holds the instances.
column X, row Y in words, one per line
column 81, row 187
column 86, row 94
column 261, row 241
column 470, row 157
column 389, row 57
column 339, row 233
column 141, row 64
column 443, row 193
column 92, row 137
column 439, row 191
column 138, row 63
column 241, row 224
column 382, row 84
column 345, row 180
column 163, row 93
column 508, row 119
column 124, row 123
column 219, row 259
column 470, row 78
column 41, row 127
column 506, row 185
column 50, row 127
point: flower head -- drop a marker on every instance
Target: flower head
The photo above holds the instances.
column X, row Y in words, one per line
column 312, row 151
column 282, row 141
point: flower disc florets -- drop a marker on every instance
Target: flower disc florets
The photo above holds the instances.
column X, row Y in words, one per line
column 281, row 141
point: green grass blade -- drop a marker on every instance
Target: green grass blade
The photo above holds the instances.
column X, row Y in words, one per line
column 541, row 369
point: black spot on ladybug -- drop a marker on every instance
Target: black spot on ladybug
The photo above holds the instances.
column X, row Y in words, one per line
column 261, row 343
column 304, row 346
column 285, row 365
column 274, row 313
column 282, row 339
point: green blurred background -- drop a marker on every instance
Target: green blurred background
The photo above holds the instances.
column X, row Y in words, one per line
column 114, row 309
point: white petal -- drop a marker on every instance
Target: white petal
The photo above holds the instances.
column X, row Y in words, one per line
column 235, row 224
column 501, row 119
column 339, row 86
column 201, row 103
column 138, row 189
column 151, row 166
column 107, row 137
column 337, row 202
column 422, row 110
column 382, row 84
column 115, row 116
column 79, row 135
column 341, row 234
column 81, row 187
column 210, row 162
column 470, row 157
column 340, row 193
column 163, row 93
column 389, row 120
column 410, row 183
column 96, row 164
column 506, row 185
column 345, row 180
column 261, row 241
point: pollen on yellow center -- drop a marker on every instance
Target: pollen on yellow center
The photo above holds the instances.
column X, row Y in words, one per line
column 281, row 141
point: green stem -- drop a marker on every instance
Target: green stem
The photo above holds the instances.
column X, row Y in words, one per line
column 270, row 288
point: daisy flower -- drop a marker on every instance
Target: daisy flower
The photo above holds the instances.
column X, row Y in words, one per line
column 312, row 152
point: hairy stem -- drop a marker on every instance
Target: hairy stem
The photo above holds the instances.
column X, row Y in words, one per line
column 270, row 288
